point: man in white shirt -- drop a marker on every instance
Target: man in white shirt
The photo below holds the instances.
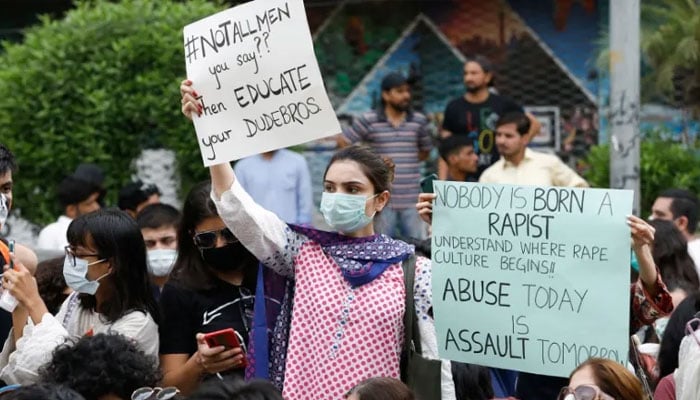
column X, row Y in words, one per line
column 519, row 165
column 77, row 196
column 681, row 207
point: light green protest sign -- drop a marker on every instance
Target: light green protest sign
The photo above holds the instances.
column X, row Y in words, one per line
column 529, row 278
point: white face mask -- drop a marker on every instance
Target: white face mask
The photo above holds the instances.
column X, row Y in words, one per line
column 161, row 261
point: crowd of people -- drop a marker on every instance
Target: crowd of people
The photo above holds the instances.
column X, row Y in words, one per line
column 238, row 296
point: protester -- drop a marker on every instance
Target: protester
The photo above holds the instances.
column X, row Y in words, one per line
column 103, row 366
column 403, row 135
column 354, row 274
column 474, row 114
column 136, row 195
column 159, row 224
column 8, row 167
column 380, row 389
column 235, row 389
column 670, row 253
column 280, row 181
column 77, row 197
column 472, row 381
column 681, row 207
column 52, row 284
column 520, row 165
column 602, row 379
column 461, row 159
column 211, row 288
column 673, row 334
column 105, row 265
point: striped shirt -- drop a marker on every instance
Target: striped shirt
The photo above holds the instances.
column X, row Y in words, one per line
column 402, row 144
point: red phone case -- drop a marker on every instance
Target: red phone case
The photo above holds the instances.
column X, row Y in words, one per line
column 225, row 337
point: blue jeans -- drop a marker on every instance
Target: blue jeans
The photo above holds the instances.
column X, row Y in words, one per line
column 403, row 223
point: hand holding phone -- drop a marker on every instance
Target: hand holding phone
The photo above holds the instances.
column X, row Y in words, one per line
column 426, row 184
column 228, row 338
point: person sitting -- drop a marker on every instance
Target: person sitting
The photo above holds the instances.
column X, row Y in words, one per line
column 136, row 195
column 602, row 379
column 211, row 288
column 159, row 224
column 105, row 265
column 101, row 367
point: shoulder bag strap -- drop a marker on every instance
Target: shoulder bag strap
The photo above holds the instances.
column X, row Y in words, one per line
column 411, row 332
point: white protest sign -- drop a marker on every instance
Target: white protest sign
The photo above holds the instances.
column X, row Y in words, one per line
column 256, row 77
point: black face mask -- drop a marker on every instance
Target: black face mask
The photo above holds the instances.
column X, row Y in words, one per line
column 229, row 258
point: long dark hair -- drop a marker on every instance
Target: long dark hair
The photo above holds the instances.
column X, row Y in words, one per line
column 675, row 332
column 190, row 270
column 116, row 237
column 671, row 256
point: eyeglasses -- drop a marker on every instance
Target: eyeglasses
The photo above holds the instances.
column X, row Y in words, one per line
column 72, row 255
column 156, row 393
column 583, row 392
column 207, row 240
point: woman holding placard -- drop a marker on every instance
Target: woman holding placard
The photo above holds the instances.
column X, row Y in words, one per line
column 347, row 317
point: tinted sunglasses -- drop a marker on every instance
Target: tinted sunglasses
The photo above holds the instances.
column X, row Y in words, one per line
column 583, row 392
column 207, row 240
column 156, row 393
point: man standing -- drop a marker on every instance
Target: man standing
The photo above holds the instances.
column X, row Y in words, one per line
column 681, row 207
column 475, row 114
column 279, row 181
column 398, row 133
column 521, row 166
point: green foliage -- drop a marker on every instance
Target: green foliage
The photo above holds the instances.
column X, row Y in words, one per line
column 671, row 43
column 97, row 86
column 663, row 164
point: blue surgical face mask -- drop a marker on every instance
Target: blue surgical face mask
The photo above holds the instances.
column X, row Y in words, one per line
column 76, row 276
column 345, row 212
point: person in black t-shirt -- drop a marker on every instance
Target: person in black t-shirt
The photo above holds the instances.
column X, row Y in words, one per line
column 211, row 288
column 475, row 114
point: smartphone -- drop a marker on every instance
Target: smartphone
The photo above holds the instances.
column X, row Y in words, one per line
column 225, row 337
column 426, row 184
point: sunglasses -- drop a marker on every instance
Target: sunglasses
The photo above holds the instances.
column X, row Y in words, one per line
column 156, row 393
column 583, row 392
column 207, row 240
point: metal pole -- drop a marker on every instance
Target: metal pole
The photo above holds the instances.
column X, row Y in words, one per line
column 623, row 112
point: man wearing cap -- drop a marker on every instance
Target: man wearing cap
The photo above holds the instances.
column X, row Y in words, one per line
column 79, row 194
column 136, row 195
column 403, row 135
